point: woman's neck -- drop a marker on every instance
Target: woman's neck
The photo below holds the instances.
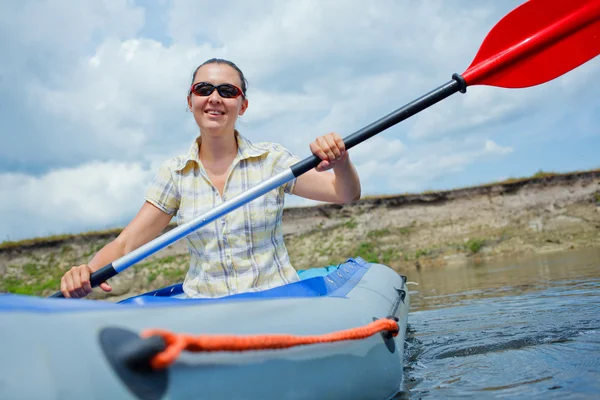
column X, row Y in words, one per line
column 216, row 148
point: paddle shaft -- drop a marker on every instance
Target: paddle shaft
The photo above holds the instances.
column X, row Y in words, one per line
column 407, row 111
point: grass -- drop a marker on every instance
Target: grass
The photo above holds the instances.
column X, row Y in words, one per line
column 41, row 276
column 370, row 252
column 378, row 233
column 172, row 268
column 474, row 245
column 405, row 230
column 18, row 286
column 367, row 251
column 32, row 278
column 351, row 224
column 543, row 174
column 422, row 252
column 388, row 255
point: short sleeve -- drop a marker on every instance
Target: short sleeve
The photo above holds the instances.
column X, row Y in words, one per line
column 163, row 192
column 284, row 159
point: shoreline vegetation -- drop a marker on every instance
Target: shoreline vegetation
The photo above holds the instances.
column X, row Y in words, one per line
column 546, row 212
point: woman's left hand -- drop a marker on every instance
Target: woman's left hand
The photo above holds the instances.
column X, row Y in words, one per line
column 330, row 149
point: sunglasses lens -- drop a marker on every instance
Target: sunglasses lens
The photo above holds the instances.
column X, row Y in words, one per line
column 203, row 89
column 228, row 91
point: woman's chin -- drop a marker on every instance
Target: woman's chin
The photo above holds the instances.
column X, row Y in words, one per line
column 213, row 127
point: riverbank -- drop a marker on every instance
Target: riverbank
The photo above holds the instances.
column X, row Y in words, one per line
column 544, row 213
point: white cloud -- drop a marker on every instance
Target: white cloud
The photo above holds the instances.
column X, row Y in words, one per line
column 495, row 149
column 418, row 167
column 66, row 28
column 378, row 148
column 63, row 200
column 125, row 95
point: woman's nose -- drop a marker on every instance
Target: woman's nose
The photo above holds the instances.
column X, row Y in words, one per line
column 214, row 97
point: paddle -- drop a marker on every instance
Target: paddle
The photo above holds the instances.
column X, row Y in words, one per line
column 535, row 43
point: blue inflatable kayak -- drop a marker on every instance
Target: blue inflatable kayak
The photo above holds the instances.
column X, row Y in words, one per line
column 65, row 348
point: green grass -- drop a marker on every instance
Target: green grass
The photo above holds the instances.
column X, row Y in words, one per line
column 35, row 283
column 172, row 268
column 378, row 233
column 366, row 250
column 422, row 252
column 543, row 174
column 474, row 245
column 388, row 255
column 31, row 269
column 370, row 252
column 351, row 224
column 405, row 230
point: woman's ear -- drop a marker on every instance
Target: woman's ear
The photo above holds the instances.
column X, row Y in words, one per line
column 244, row 107
column 189, row 101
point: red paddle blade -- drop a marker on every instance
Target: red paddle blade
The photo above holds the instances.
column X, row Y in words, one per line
column 537, row 42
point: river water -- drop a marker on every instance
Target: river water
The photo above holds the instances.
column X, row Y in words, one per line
column 515, row 328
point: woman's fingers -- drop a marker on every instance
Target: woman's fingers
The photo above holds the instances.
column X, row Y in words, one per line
column 77, row 289
column 76, row 283
column 339, row 143
column 329, row 148
column 336, row 144
column 105, row 286
column 66, row 285
column 84, row 279
column 317, row 150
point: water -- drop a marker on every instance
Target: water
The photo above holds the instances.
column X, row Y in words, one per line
column 518, row 328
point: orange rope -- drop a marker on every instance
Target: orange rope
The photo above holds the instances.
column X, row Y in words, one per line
column 176, row 343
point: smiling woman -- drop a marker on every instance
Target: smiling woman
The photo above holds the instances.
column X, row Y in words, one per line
column 243, row 251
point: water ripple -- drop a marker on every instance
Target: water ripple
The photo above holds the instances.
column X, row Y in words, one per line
column 524, row 329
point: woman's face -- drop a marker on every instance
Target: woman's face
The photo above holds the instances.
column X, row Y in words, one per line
column 215, row 114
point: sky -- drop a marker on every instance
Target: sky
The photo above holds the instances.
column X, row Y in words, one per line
column 93, row 98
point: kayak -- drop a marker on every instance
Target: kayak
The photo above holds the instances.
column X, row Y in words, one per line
column 65, row 348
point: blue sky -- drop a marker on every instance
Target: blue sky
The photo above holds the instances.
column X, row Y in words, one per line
column 92, row 98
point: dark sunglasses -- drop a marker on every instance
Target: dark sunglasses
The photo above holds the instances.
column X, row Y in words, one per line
column 226, row 90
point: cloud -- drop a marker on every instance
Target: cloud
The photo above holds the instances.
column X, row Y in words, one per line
column 46, row 42
column 125, row 97
column 64, row 200
column 419, row 167
column 68, row 27
column 378, row 148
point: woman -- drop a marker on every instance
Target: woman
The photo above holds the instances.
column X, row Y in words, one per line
column 243, row 250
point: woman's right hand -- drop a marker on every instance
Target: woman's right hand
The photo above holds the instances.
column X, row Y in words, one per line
column 75, row 283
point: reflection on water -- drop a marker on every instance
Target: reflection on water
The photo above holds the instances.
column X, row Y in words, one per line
column 523, row 328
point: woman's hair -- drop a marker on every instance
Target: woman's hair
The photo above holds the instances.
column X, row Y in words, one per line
column 226, row 62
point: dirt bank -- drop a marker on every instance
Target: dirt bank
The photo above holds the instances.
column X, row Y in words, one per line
column 542, row 214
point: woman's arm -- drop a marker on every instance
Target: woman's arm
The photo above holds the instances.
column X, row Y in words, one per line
column 147, row 224
column 341, row 186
